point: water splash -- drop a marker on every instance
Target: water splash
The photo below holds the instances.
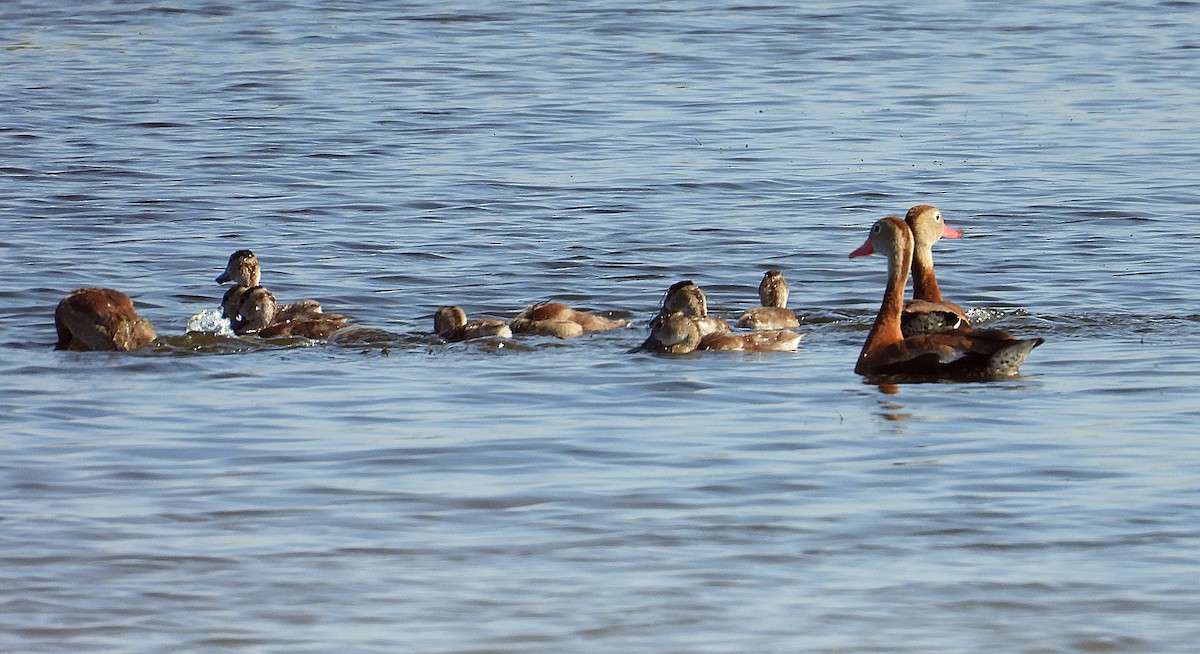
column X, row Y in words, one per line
column 978, row 315
column 210, row 321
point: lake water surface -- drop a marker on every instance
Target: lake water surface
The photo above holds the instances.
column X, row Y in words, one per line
column 392, row 493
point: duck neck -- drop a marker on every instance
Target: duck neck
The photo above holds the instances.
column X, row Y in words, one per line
column 886, row 329
column 774, row 297
column 925, row 286
column 691, row 341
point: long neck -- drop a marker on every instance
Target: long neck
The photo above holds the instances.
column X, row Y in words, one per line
column 925, row 286
column 886, row 329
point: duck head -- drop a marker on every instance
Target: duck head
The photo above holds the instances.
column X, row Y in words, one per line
column 928, row 225
column 242, row 269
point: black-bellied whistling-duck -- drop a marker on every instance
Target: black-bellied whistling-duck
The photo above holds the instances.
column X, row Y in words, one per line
column 451, row 324
column 561, row 321
column 677, row 333
column 100, row 319
column 957, row 354
column 927, row 312
column 773, row 314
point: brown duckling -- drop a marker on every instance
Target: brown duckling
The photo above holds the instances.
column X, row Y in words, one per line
column 677, row 333
column 312, row 325
column 561, row 321
column 689, row 299
column 100, row 319
column 252, row 308
column 773, row 314
column 450, row 322
column 249, row 308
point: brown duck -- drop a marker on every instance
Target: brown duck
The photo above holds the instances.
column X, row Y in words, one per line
column 100, row 319
column 956, row 354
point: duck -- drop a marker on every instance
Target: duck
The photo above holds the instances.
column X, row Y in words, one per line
column 677, row 333
column 242, row 269
column 561, row 321
column 773, row 314
column 689, row 299
column 252, row 309
column 249, row 308
column 100, row 319
column 957, row 354
column 927, row 312
column 450, row 322
column 310, row 324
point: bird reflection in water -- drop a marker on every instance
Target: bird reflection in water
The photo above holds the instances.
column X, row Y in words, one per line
column 889, row 410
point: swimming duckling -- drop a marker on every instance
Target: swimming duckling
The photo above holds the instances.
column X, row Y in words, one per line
column 243, row 270
column 689, row 299
column 561, row 321
column 100, row 319
column 672, row 333
column 299, row 309
column 249, row 308
column 310, row 325
column 451, row 323
column 252, row 308
column 773, row 314
column 676, row 333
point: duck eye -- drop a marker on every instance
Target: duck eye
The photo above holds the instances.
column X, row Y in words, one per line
column 875, row 229
column 937, row 216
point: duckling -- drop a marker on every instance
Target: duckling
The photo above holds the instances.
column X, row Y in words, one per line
column 100, row 319
column 244, row 270
column 766, row 340
column 689, row 299
column 773, row 314
column 313, row 325
column 451, row 323
column 249, row 308
column 299, row 309
column 673, row 333
column 561, row 321
column 252, row 308
column 676, row 333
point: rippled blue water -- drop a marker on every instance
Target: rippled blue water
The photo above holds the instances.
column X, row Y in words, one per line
column 393, row 493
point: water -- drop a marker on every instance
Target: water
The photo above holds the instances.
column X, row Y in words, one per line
column 391, row 493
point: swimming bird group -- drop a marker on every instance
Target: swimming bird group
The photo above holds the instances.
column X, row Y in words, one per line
column 925, row 337
column 928, row 337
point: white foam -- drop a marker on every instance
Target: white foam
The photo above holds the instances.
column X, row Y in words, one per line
column 210, row 321
column 979, row 315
